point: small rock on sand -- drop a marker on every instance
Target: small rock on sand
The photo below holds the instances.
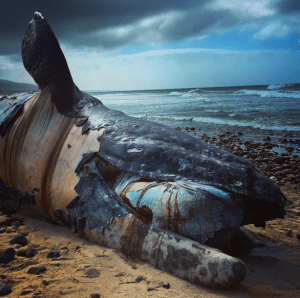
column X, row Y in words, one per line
column 4, row 290
column 7, row 255
column 92, row 273
column 22, row 240
column 36, row 270
column 30, row 253
column 17, row 246
column 53, row 254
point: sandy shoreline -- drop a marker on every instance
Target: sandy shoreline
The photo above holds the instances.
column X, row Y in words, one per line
column 84, row 269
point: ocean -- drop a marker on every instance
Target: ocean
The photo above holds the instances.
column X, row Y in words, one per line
column 256, row 110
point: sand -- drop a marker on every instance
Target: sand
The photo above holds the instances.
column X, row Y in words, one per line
column 84, row 269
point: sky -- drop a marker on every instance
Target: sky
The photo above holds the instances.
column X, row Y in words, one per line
column 165, row 44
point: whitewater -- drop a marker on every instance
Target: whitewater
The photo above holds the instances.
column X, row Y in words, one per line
column 272, row 107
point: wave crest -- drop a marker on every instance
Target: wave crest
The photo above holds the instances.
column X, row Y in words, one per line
column 278, row 86
column 264, row 93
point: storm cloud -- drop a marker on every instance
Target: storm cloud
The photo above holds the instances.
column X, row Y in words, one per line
column 75, row 21
column 110, row 25
column 288, row 6
column 133, row 44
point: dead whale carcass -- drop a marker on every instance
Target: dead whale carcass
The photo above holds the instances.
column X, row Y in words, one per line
column 124, row 182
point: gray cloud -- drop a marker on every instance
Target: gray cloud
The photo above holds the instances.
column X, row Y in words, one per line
column 79, row 16
column 109, row 24
column 155, row 29
column 288, row 6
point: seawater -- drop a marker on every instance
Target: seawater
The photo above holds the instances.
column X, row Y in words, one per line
column 274, row 108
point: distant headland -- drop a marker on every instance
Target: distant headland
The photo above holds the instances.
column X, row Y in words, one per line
column 7, row 87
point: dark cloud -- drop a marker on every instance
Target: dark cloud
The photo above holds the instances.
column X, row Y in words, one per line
column 77, row 16
column 167, row 27
column 288, row 6
column 109, row 24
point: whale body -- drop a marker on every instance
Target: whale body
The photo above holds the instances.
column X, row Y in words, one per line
column 148, row 190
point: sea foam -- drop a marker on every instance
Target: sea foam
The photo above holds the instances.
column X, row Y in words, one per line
column 278, row 86
column 265, row 93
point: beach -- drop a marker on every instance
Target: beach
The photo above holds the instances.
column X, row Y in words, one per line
column 57, row 263
column 122, row 152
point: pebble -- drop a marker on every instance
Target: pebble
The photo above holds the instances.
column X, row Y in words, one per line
column 7, row 255
column 30, row 253
column 26, row 252
column 36, row 270
column 278, row 160
column 20, row 239
column 4, row 290
column 22, row 251
column 17, row 246
column 53, row 254
column 95, row 296
column 288, row 171
column 92, row 273
column 139, row 279
column 2, row 230
column 289, row 178
column 289, row 149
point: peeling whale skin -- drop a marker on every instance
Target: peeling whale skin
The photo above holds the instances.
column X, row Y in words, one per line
column 142, row 188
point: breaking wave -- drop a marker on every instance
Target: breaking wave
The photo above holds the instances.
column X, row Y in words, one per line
column 218, row 121
column 157, row 117
column 278, row 86
column 213, row 120
column 176, row 93
column 264, row 93
column 191, row 93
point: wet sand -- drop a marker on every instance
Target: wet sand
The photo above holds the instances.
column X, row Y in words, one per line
column 83, row 269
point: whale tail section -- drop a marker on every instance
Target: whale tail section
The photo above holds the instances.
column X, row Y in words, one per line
column 45, row 62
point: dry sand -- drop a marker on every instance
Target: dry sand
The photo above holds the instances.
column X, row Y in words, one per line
column 273, row 270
